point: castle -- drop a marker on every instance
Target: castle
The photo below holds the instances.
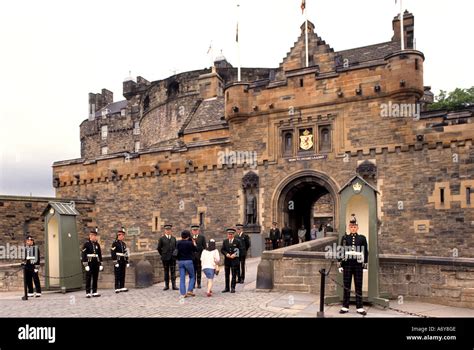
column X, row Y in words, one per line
column 203, row 148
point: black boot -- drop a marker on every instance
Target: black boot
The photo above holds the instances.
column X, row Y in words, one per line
column 166, row 287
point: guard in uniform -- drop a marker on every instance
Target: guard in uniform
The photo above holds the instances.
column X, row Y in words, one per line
column 92, row 261
column 274, row 235
column 356, row 255
column 200, row 243
column 231, row 250
column 245, row 246
column 119, row 253
column 287, row 235
column 166, row 247
column 31, row 265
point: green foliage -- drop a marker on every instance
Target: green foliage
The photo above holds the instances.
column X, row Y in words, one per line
column 457, row 99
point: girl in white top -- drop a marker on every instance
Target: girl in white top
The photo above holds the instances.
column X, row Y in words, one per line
column 210, row 264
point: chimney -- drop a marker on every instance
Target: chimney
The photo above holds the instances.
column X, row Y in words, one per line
column 408, row 28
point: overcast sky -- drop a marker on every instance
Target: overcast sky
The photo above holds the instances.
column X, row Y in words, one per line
column 53, row 53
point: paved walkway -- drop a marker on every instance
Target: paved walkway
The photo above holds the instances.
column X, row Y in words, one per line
column 154, row 302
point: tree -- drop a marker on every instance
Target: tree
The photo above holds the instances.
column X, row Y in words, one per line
column 457, row 99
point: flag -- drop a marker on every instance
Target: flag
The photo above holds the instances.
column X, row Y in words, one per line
column 237, row 33
column 303, row 6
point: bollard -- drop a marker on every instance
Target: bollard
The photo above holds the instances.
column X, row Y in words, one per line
column 321, row 296
column 25, row 297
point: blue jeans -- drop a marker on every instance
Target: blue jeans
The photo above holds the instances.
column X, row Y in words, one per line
column 186, row 265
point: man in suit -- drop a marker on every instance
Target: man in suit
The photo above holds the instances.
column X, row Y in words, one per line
column 231, row 251
column 356, row 256
column 166, row 247
column 274, row 235
column 200, row 242
column 245, row 246
column 119, row 254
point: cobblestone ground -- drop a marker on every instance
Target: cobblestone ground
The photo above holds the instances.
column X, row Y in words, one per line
column 148, row 302
column 246, row 302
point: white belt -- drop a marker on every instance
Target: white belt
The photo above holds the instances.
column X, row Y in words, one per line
column 121, row 254
column 354, row 253
column 30, row 258
column 92, row 255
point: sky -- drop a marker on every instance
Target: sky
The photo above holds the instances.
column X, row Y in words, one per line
column 53, row 53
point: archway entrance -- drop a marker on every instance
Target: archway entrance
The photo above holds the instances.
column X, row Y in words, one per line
column 305, row 199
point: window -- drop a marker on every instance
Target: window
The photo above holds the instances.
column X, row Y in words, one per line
column 146, row 103
column 324, row 138
column 136, row 128
column 288, row 143
column 468, row 195
column 104, row 132
column 123, row 112
column 441, row 195
column 201, row 219
column 137, row 146
column 83, row 148
column 104, row 150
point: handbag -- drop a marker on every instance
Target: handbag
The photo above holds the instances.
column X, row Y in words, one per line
column 217, row 270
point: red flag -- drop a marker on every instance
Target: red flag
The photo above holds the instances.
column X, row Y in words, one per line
column 303, row 6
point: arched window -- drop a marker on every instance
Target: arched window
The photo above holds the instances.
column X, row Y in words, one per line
column 288, row 143
column 325, row 138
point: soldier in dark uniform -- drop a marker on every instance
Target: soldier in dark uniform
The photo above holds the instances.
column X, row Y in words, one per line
column 274, row 235
column 200, row 243
column 230, row 250
column 166, row 247
column 92, row 261
column 31, row 264
column 356, row 255
column 119, row 254
column 245, row 246
column 287, row 235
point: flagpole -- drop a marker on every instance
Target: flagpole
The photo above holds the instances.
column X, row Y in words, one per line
column 306, row 37
column 402, row 34
column 239, row 69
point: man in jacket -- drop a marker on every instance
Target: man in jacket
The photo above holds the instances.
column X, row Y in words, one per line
column 166, row 247
column 230, row 250
column 119, row 254
column 356, row 256
column 200, row 242
column 245, row 246
column 92, row 261
column 31, row 265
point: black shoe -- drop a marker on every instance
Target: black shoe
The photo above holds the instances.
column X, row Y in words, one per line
column 225, row 291
column 199, row 286
column 239, row 281
column 166, row 288
column 344, row 310
column 175, row 288
column 232, row 291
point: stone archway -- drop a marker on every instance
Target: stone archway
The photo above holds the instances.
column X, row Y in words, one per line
column 294, row 198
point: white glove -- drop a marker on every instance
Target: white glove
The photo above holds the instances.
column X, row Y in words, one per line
column 88, row 268
column 101, row 268
column 36, row 270
column 117, row 265
column 365, row 266
column 340, row 269
column 128, row 265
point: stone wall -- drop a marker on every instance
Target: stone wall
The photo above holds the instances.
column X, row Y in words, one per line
column 11, row 279
column 430, row 279
column 20, row 216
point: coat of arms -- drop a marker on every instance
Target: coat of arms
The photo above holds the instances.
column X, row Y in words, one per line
column 306, row 140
